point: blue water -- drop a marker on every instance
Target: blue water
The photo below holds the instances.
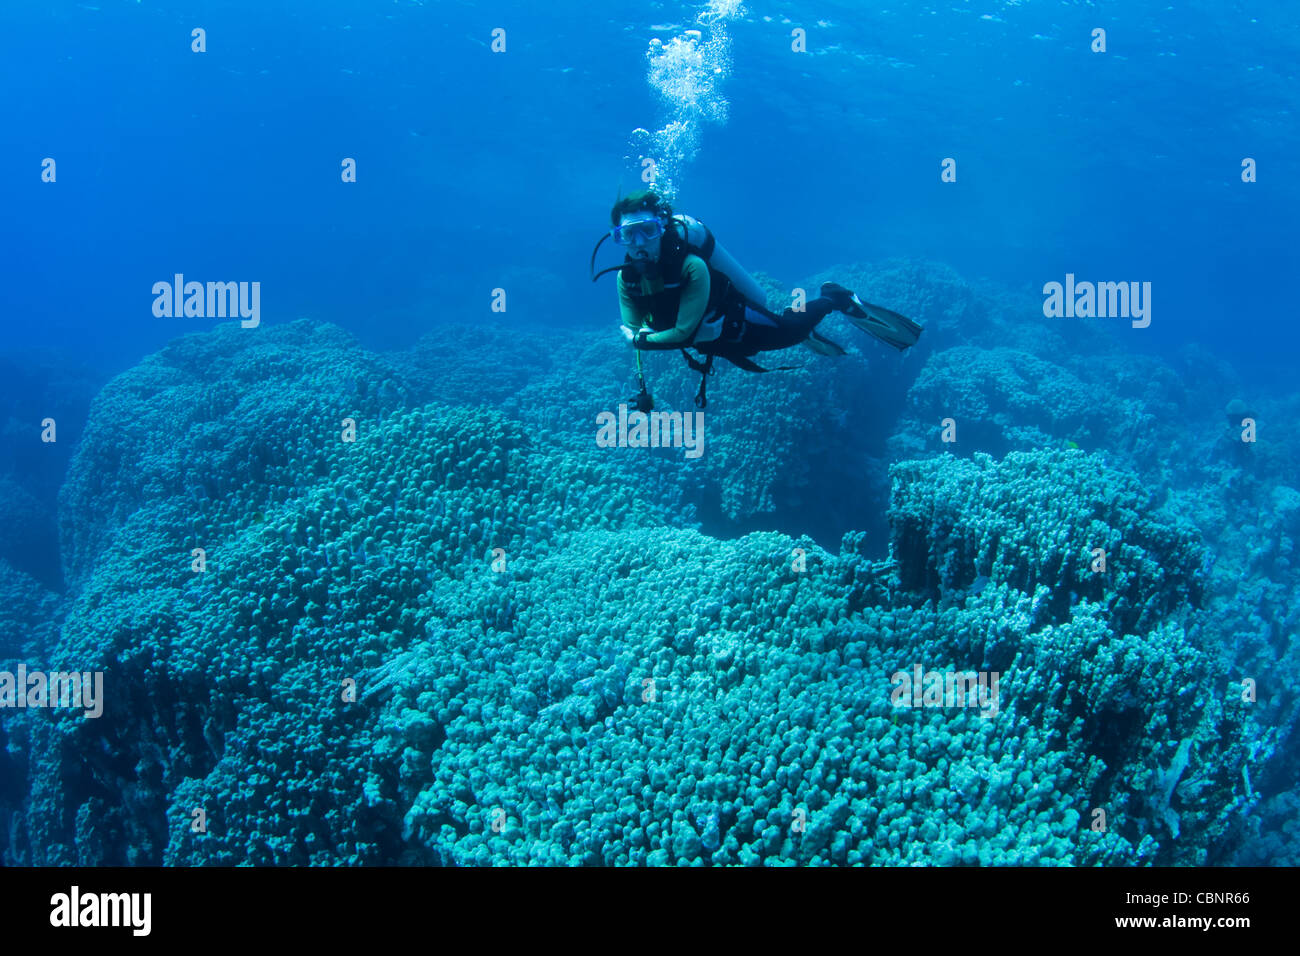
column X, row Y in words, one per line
column 226, row 163
column 479, row 169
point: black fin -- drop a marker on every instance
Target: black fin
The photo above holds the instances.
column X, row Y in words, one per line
column 741, row 362
column 890, row 327
column 824, row 346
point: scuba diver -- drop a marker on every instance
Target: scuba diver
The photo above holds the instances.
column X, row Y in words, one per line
column 678, row 288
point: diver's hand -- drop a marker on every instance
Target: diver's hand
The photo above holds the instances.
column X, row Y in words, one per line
column 637, row 338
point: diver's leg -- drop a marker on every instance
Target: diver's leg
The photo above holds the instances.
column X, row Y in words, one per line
column 763, row 334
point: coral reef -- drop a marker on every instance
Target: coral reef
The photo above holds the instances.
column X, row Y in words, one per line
column 321, row 555
column 432, row 622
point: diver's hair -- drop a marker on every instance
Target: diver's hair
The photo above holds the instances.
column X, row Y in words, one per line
column 644, row 201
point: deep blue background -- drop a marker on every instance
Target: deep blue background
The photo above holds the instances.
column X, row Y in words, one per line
column 474, row 166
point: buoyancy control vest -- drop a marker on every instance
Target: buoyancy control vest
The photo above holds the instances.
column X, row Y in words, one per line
column 659, row 289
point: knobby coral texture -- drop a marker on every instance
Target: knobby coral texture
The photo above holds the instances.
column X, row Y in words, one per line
column 471, row 636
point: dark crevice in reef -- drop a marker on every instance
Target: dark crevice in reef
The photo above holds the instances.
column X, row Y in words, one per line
column 826, row 524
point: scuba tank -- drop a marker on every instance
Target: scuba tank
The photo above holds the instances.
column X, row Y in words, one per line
column 700, row 240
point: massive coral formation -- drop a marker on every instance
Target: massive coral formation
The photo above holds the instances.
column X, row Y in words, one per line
column 469, row 636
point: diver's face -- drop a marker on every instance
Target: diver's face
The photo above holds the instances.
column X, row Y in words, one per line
column 643, row 236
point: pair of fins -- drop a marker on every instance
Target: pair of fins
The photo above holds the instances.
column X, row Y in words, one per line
column 890, row 327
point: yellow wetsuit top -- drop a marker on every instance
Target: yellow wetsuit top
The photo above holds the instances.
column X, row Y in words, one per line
column 690, row 308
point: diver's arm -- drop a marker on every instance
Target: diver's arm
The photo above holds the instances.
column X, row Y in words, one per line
column 633, row 317
column 690, row 309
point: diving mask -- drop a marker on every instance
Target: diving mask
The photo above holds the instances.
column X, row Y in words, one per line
column 637, row 230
